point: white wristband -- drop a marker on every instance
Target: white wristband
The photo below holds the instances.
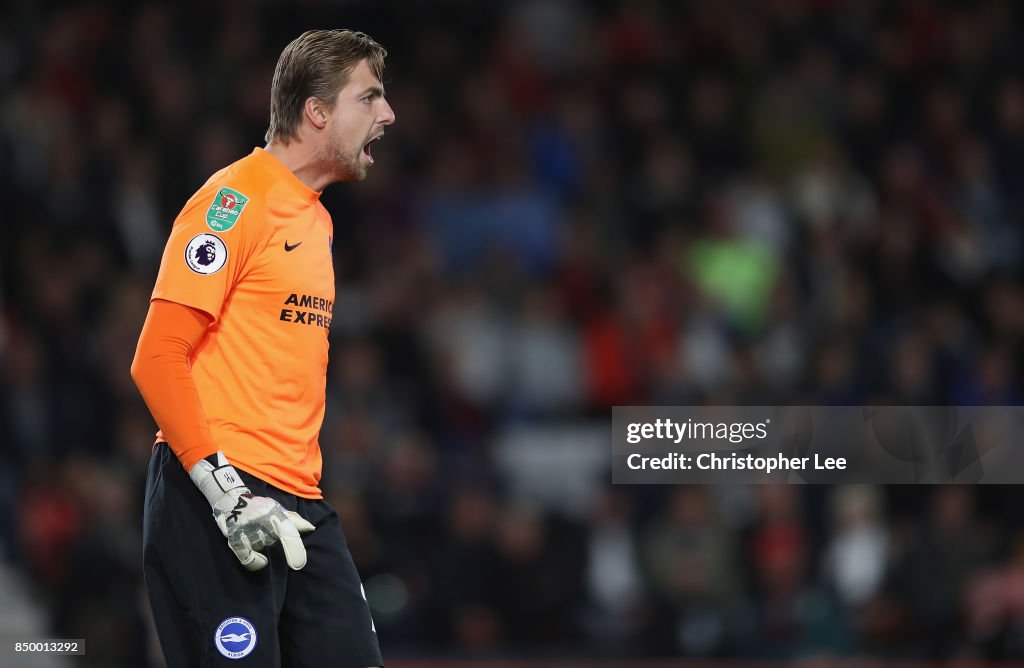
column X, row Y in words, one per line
column 217, row 482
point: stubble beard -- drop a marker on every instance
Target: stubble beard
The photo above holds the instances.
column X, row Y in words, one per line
column 346, row 165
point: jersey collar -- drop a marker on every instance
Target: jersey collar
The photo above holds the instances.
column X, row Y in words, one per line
column 285, row 175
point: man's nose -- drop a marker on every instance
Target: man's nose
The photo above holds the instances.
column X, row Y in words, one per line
column 388, row 116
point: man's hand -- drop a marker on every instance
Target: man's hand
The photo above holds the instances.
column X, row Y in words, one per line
column 250, row 523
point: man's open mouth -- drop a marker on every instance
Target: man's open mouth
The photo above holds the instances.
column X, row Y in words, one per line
column 367, row 150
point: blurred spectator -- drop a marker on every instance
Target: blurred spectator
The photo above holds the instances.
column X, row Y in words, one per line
column 694, row 569
column 616, row 604
column 857, row 558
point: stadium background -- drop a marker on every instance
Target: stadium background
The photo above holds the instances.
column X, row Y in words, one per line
column 581, row 205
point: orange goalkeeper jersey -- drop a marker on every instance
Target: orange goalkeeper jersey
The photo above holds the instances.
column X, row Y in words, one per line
column 252, row 248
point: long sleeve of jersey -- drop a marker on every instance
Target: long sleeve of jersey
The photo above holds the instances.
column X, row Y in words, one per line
column 162, row 370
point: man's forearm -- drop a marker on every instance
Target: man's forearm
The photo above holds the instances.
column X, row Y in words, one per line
column 162, row 372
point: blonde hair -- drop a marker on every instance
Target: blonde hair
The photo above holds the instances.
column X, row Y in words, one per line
column 316, row 64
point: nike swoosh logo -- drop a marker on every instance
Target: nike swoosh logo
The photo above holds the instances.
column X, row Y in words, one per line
column 288, row 248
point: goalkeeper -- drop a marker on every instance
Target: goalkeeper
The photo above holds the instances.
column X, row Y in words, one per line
column 243, row 558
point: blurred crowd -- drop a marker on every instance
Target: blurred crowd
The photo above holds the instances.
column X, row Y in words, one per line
column 581, row 205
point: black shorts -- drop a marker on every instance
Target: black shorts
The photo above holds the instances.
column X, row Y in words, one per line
column 210, row 611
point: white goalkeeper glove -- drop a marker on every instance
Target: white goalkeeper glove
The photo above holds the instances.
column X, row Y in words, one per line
column 250, row 523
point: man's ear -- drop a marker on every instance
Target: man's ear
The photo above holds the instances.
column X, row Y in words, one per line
column 316, row 112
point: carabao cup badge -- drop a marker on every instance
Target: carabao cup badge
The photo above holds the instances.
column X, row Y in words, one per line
column 226, row 208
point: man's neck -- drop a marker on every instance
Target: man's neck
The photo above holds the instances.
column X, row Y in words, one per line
column 302, row 161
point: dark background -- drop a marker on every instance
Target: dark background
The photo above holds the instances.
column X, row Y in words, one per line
column 581, row 205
